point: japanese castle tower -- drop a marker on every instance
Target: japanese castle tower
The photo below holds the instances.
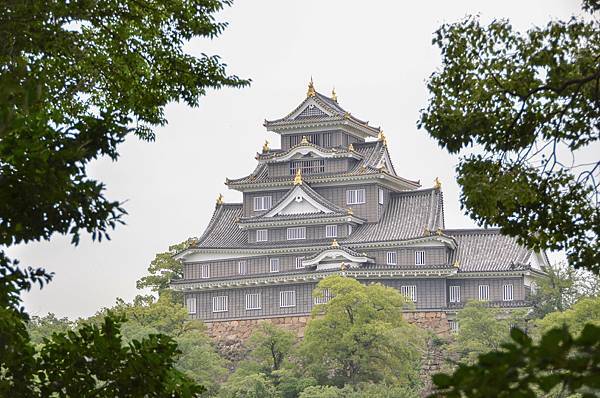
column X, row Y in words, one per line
column 329, row 201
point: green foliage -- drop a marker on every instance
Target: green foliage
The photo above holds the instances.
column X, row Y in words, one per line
column 94, row 362
column 163, row 269
column 269, row 346
column 360, row 336
column 523, row 100
column 255, row 385
column 482, row 329
column 363, row 391
column 522, row 368
column 327, row 392
column 561, row 288
column 40, row 328
column 585, row 311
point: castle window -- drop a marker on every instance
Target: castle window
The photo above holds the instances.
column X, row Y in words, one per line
column 507, row 292
column 349, row 229
column 326, row 296
column 380, row 195
column 299, row 262
column 453, row 326
column 392, row 258
column 455, row 294
column 331, row 231
column 253, row 301
column 205, row 271
column 410, row 292
column 190, row 303
column 220, row 304
column 262, row 235
column 242, row 267
column 296, row 233
column 273, row 265
column 355, row 196
column 287, row 298
column 262, row 203
column 420, row 257
column 326, row 139
column 310, row 166
column 484, row 292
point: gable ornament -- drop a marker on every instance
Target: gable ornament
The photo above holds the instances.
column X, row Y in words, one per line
column 311, row 89
column 437, row 184
column 382, row 137
column 304, row 140
column 265, row 147
column 298, row 177
column 334, row 243
column 333, row 95
column 220, row 200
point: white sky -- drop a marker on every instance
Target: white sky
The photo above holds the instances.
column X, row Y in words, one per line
column 377, row 54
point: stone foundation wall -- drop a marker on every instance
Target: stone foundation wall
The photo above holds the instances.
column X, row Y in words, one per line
column 230, row 336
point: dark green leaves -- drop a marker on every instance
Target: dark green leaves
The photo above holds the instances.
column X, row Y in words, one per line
column 526, row 103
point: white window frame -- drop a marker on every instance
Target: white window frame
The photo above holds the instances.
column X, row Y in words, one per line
column 410, row 292
column 349, row 229
column 380, row 196
column 454, row 294
column 325, row 299
column 205, row 271
column 296, row 233
column 274, row 265
column 420, row 257
column 287, row 299
column 220, row 304
column 356, row 196
column 262, row 203
column 191, row 305
column 391, row 258
column 242, row 267
column 454, row 326
column 484, row 292
column 263, row 234
column 331, row 231
column 253, row 301
column 508, row 292
column 298, row 262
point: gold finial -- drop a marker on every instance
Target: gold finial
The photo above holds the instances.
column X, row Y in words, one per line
column 347, row 115
column 439, row 231
column 311, row 89
column 334, row 243
column 351, row 147
column 350, row 211
column 437, row 184
column 304, row 140
column 456, row 264
column 220, row 200
column 343, row 267
column 382, row 137
column 333, row 95
column 427, row 231
column 298, row 178
column 266, row 146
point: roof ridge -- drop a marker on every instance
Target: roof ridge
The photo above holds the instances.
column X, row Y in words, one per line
column 474, row 230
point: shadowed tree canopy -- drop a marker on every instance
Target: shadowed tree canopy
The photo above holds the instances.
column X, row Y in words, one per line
column 76, row 78
column 523, row 109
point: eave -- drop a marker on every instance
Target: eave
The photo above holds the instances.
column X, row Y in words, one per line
column 342, row 219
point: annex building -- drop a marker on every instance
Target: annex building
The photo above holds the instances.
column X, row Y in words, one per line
column 329, row 201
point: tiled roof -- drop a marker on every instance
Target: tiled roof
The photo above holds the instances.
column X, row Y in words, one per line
column 335, row 209
column 371, row 153
column 342, row 248
column 222, row 230
column 407, row 215
column 487, row 250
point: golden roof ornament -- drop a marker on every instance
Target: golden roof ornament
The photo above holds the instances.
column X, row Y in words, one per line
column 220, row 200
column 351, row 147
column 311, row 89
column 350, row 211
column 437, row 184
column 439, row 232
column 347, row 115
column 334, row 243
column 266, row 146
column 304, row 140
column 343, row 267
column 427, row 231
column 382, row 137
column 298, row 177
column 456, row 264
column 333, row 95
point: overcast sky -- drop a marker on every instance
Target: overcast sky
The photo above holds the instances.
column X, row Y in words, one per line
column 377, row 54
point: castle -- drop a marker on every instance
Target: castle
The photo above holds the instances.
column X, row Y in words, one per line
column 329, row 201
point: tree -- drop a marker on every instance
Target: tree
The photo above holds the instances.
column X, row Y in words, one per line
column 255, row 385
column 75, row 79
column 45, row 326
column 360, row 336
column 559, row 365
column 561, row 288
column 528, row 104
column 269, row 346
column 482, row 329
column 585, row 311
column 163, row 269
